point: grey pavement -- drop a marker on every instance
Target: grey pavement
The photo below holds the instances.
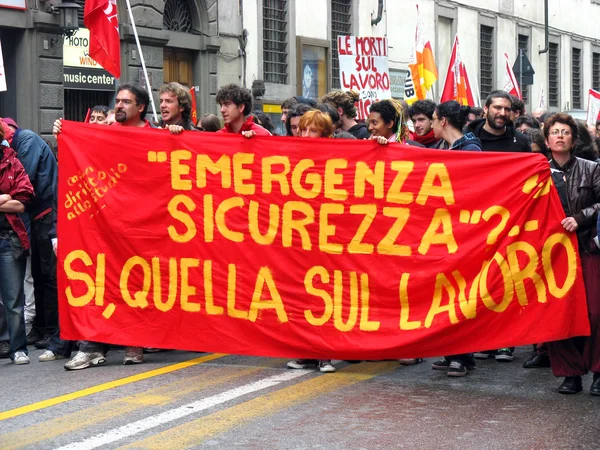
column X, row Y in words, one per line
column 250, row 402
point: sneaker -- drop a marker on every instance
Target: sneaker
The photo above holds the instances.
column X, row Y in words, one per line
column 504, row 354
column 302, row 363
column 49, row 355
column 457, row 369
column 133, row 355
column 43, row 343
column 83, row 360
column 4, row 349
column 20, row 358
column 484, row 355
column 325, row 366
column 441, row 364
column 410, row 361
column 33, row 337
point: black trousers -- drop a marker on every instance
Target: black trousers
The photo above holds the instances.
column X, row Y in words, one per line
column 43, row 271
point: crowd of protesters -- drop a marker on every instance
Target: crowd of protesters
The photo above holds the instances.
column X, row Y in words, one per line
column 28, row 196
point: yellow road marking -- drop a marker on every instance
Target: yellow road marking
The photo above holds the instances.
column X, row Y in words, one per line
column 194, row 432
column 120, row 407
column 106, row 386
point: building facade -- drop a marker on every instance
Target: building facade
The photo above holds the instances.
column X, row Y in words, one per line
column 194, row 42
column 290, row 48
column 286, row 36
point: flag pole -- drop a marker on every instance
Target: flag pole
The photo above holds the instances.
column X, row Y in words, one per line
column 137, row 41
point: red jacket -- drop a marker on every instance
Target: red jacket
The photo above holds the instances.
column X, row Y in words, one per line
column 15, row 182
column 248, row 125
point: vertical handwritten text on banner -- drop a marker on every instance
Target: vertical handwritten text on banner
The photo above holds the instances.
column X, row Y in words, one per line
column 309, row 248
column 364, row 68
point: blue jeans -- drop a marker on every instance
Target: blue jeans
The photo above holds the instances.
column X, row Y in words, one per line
column 12, row 276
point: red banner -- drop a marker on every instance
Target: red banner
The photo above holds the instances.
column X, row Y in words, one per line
column 309, row 248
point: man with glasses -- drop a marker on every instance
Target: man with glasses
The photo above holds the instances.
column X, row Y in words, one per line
column 494, row 131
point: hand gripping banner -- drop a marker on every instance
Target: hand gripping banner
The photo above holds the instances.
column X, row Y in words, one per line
column 315, row 248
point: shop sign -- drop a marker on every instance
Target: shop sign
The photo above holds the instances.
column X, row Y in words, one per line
column 80, row 70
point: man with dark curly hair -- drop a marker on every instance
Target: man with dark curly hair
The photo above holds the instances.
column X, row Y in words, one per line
column 236, row 106
column 421, row 114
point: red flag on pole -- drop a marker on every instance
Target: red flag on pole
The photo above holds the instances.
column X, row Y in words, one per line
column 194, row 115
column 100, row 17
column 510, row 81
column 457, row 86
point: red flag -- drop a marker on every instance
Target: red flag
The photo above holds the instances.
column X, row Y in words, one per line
column 100, row 17
column 457, row 86
column 87, row 115
column 510, row 81
column 194, row 115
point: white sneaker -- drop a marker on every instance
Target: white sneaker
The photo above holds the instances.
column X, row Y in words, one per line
column 49, row 355
column 83, row 360
column 20, row 358
column 325, row 366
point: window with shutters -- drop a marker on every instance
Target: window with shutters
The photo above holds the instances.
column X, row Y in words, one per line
column 553, row 74
column 576, row 77
column 523, row 44
column 486, row 60
column 596, row 71
column 275, row 41
column 341, row 15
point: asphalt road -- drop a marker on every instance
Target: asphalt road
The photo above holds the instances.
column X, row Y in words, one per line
column 181, row 400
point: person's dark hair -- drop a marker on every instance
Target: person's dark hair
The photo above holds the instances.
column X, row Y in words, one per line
column 585, row 146
column 333, row 113
column 296, row 111
column 184, row 97
column 498, row 94
column 597, row 123
column 141, row 96
column 527, row 120
column 236, row 94
column 535, row 136
column 289, row 103
column 454, row 112
column 518, row 105
column 210, row 122
column 543, row 118
column 426, row 107
column 388, row 113
column 344, row 100
column 100, row 109
column 264, row 121
column 477, row 111
column 565, row 119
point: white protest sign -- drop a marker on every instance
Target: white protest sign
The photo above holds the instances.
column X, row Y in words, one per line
column 364, row 68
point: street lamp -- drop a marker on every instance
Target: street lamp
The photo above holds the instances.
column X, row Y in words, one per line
column 67, row 16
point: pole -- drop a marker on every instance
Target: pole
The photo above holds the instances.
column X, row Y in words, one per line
column 137, row 41
column 521, row 72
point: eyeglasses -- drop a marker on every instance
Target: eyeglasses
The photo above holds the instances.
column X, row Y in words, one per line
column 561, row 132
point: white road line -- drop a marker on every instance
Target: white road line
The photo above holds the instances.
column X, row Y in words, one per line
column 147, row 423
